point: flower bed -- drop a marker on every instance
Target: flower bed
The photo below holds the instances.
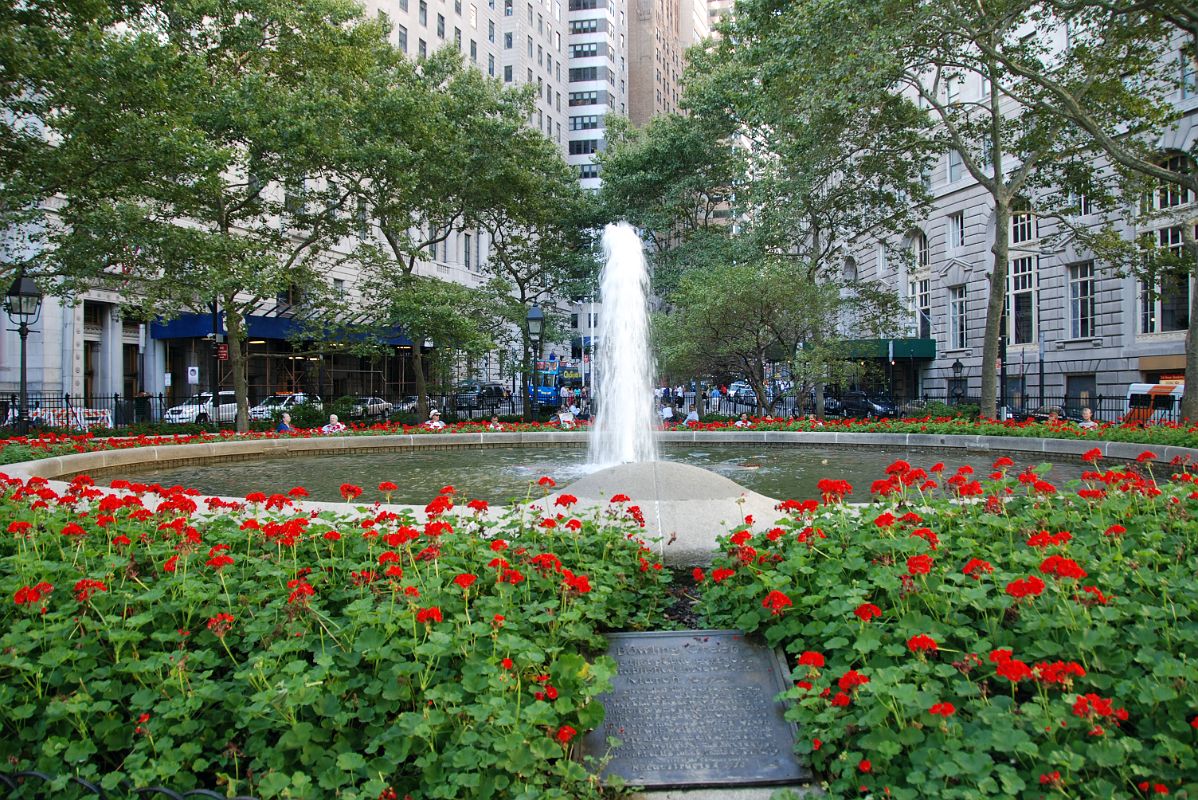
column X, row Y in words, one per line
column 1032, row 641
column 1164, row 434
column 158, row 638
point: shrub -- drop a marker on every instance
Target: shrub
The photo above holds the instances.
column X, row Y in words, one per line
column 1031, row 640
column 161, row 640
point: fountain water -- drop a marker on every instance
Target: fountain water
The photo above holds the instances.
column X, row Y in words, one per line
column 623, row 431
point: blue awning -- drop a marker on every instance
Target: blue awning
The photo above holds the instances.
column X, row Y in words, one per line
column 197, row 326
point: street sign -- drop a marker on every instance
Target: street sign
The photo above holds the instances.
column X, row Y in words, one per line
column 193, row 375
column 222, row 352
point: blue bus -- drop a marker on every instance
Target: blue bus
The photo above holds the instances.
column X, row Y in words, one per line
column 548, row 379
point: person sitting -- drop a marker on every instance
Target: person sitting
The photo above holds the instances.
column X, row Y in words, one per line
column 1054, row 416
column 434, row 423
column 565, row 419
column 744, row 421
column 495, row 424
column 692, row 416
column 667, row 414
column 1087, row 422
column 334, row 425
column 285, row 425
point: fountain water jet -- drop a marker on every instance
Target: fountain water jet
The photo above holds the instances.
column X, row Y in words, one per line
column 623, row 430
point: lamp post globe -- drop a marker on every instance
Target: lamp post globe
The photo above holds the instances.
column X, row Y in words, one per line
column 23, row 304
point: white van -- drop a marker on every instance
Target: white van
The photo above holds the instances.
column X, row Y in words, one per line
column 1148, row 403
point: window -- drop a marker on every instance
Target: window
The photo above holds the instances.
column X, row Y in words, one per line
column 588, row 50
column 1185, row 73
column 457, row 7
column 919, row 300
column 402, row 34
column 457, row 38
column 423, row 13
column 586, row 5
column 339, row 286
column 956, row 166
column 1165, row 296
column 1170, row 195
column 1081, row 300
column 585, row 123
column 421, row 48
column 362, row 220
column 491, row 65
column 507, row 41
column 920, row 252
column 582, row 147
column 491, row 31
column 473, row 50
column 507, row 8
column 466, row 251
column 956, row 230
column 507, row 73
column 958, row 320
column 1023, row 225
column 1022, row 301
column 588, row 171
column 540, row 56
column 530, row 47
column 403, row 5
column 584, row 74
column 440, row 26
column 585, row 26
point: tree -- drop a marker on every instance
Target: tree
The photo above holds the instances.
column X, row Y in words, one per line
column 1116, row 84
column 738, row 317
column 541, row 234
column 196, row 152
column 673, row 181
column 927, row 52
column 427, row 165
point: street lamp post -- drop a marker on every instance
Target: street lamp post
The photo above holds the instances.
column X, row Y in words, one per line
column 536, row 326
column 23, row 304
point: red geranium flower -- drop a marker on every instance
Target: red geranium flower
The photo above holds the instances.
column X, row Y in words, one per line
column 1092, row 455
column 864, row 765
column 975, row 566
column 919, row 565
column 1025, row 587
column 220, row 624
column 465, row 580
column 564, row 734
column 1147, row 455
column 776, row 602
column 884, row 520
column 811, row 659
column 620, row 498
column 545, row 480
column 350, row 492
column 565, row 500
column 943, row 710
column 867, row 611
column 429, row 615
column 922, row 643
column 387, row 487
column 718, row 575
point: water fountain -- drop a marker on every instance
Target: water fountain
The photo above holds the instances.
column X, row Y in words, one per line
column 623, row 431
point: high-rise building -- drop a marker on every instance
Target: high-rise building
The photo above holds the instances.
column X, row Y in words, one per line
column 718, row 10
column 598, row 80
column 659, row 33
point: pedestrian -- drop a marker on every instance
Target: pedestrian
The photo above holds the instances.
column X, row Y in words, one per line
column 495, row 424
column 285, row 425
column 334, row 425
column 744, row 421
column 565, row 419
column 692, row 417
column 434, row 423
column 667, row 414
column 1087, row 422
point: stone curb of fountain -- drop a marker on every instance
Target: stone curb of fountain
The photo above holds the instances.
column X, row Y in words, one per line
column 106, row 461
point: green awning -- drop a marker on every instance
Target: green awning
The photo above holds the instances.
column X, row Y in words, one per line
column 881, row 348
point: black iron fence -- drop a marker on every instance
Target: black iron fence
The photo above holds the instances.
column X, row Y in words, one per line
column 33, row 785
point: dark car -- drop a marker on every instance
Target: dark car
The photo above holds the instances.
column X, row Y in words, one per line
column 831, row 404
column 859, row 404
column 479, row 395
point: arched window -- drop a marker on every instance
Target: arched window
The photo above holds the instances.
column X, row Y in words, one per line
column 850, row 270
column 921, row 253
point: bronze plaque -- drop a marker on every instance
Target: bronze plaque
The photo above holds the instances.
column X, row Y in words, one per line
column 695, row 708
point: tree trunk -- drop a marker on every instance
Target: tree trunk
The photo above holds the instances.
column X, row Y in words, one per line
column 237, row 362
column 994, row 305
column 421, row 383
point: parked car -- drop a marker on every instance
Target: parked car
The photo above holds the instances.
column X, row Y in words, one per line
column 198, row 408
column 407, row 404
column 479, row 395
column 831, row 404
column 860, row 404
column 742, row 392
column 276, row 404
column 367, row 407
